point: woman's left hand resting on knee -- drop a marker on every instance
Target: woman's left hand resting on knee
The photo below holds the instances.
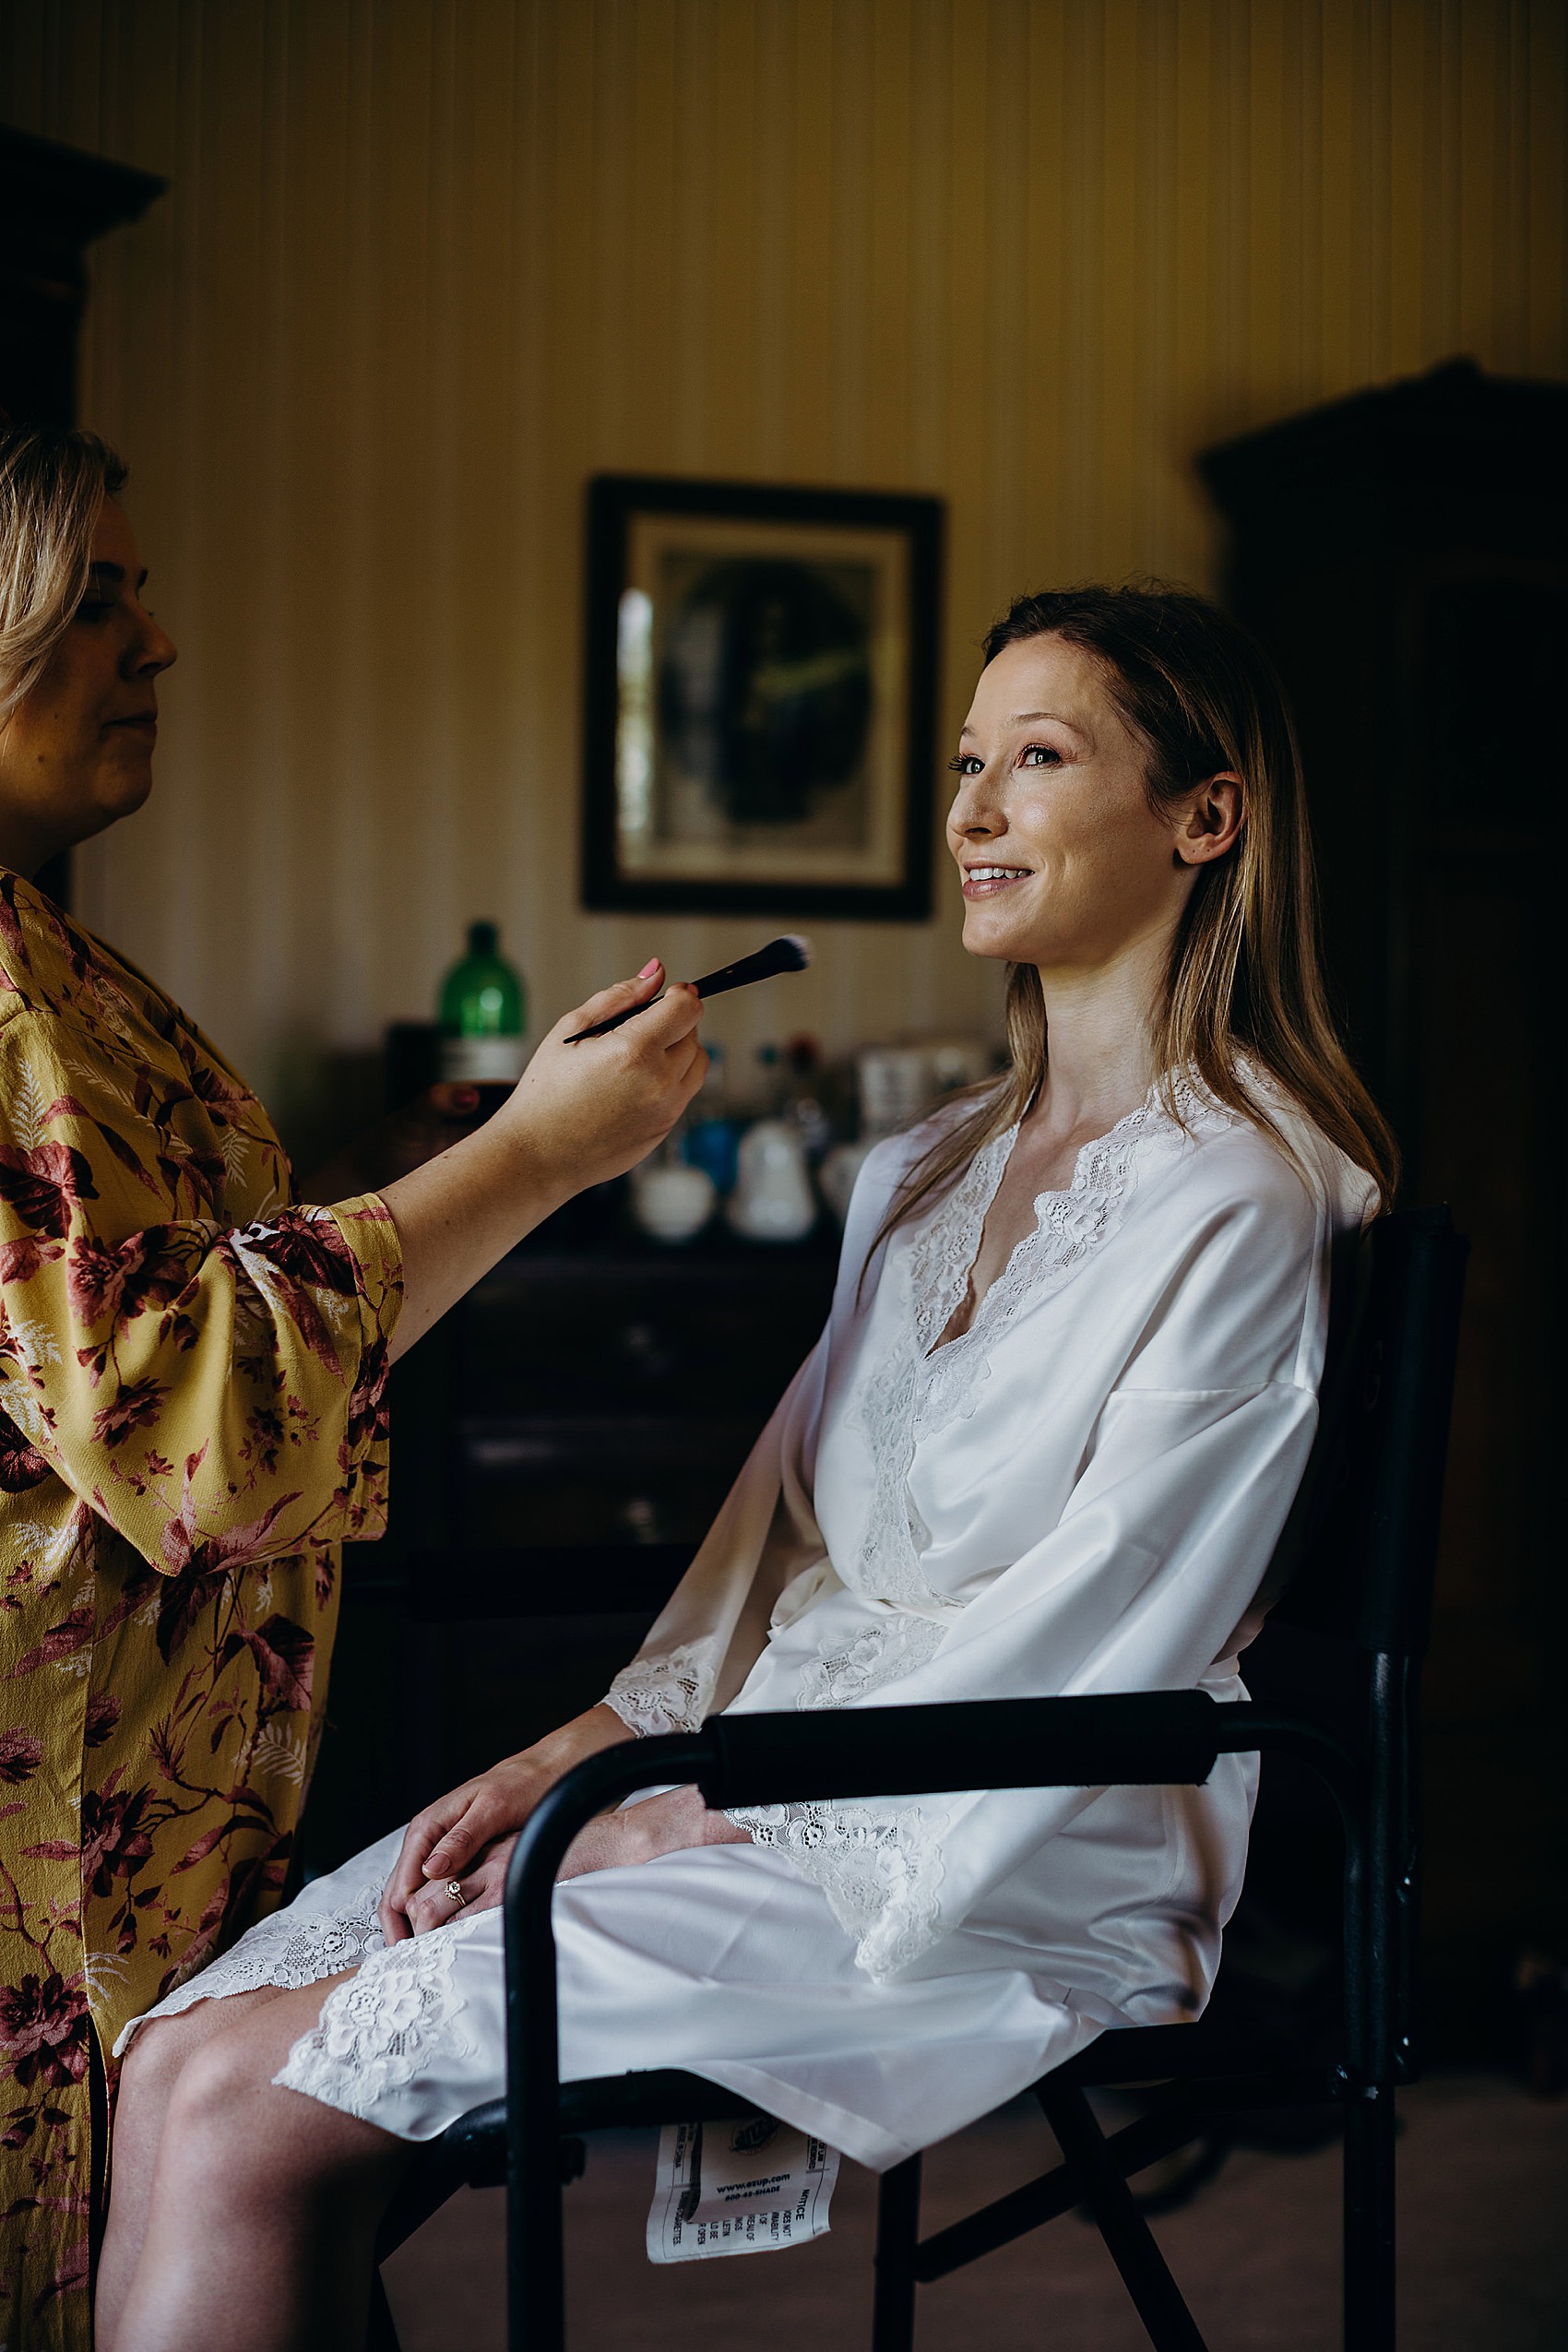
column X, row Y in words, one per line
column 468, row 1837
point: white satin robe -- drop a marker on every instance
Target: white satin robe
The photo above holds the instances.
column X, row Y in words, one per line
column 1079, row 1494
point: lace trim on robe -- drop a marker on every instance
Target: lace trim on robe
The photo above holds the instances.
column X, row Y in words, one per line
column 881, row 1653
column 374, row 2033
column 937, row 1273
column 382, row 2028
column 669, row 1692
column 881, row 1872
column 292, row 1949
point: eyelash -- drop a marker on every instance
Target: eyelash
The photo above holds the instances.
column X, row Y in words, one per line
column 95, row 609
column 971, row 763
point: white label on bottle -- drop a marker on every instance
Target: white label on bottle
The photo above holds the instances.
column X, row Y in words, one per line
column 484, row 1060
column 744, row 2187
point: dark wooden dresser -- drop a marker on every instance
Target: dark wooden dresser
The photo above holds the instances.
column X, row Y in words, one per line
column 588, row 1396
column 599, row 1396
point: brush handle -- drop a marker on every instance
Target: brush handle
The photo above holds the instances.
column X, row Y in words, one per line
column 778, row 956
column 603, row 1029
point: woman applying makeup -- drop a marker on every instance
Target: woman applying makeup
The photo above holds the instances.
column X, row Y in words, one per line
column 191, row 1368
column 1046, row 1443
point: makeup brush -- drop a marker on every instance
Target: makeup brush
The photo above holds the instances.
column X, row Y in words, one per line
column 791, row 954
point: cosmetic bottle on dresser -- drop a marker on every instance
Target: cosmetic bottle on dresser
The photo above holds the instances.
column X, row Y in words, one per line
column 483, row 1014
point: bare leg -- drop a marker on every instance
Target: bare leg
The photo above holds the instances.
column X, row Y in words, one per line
column 264, row 2203
column 153, row 2065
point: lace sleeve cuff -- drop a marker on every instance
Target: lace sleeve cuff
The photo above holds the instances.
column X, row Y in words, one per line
column 880, row 1868
column 665, row 1693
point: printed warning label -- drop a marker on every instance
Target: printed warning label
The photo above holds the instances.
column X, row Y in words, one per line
column 739, row 2188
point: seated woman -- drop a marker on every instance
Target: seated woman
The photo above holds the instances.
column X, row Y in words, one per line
column 1046, row 1443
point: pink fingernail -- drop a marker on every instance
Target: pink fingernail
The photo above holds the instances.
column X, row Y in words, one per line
column 650, row 968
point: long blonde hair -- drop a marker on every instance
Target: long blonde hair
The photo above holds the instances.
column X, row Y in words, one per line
column 53, row 479
column 1245, row 981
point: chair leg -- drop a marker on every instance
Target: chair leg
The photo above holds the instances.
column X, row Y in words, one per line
column 1166, row 2320
column 381, row 2336
column 1368, row 2220
column 897, row 2226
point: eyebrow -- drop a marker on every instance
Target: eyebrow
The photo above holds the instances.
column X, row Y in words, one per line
column 1023, row 719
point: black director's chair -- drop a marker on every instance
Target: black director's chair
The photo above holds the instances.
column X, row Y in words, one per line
column 1358, row 1555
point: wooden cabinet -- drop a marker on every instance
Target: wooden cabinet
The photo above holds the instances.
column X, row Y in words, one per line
column 603, row 1396
column 53, row 202
column 1404, row 557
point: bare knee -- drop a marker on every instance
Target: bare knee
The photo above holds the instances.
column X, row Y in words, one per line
column 214, row 2080
column 154, row 2063
column 162, row 2048
column 232, row 2133
column 216, row 2156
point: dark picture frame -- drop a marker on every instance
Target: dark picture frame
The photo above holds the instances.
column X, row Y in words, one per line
column 761, row 677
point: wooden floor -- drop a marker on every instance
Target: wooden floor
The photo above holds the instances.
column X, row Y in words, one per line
column 1483, row 2248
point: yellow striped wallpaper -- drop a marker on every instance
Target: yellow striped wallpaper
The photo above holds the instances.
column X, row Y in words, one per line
column 426, row 265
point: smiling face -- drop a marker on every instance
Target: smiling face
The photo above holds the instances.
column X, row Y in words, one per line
column 77, row 753
column 1066, row 865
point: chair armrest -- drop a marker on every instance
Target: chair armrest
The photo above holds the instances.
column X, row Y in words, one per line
column 1148, row 1738
column 1160, row 1737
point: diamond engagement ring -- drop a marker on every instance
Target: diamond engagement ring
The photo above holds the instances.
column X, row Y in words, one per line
column 455, row 1892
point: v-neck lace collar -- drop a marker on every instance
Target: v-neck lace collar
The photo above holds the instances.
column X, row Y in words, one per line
column 1069, row 1227
column 1099, row 1172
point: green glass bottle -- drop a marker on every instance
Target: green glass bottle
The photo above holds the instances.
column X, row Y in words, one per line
column 483, row 1014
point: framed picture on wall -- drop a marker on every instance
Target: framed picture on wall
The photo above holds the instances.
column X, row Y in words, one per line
column 761, row 693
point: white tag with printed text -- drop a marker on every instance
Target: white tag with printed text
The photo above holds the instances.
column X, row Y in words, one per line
column 745, row 2187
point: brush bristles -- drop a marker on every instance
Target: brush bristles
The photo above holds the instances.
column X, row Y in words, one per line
column 802, row 950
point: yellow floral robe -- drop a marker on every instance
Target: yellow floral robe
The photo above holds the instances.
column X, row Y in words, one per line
column 191, row 1418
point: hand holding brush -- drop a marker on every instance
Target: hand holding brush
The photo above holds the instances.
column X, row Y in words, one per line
column 789, row 954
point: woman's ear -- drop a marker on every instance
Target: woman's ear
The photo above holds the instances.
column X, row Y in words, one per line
column 1214, row 819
